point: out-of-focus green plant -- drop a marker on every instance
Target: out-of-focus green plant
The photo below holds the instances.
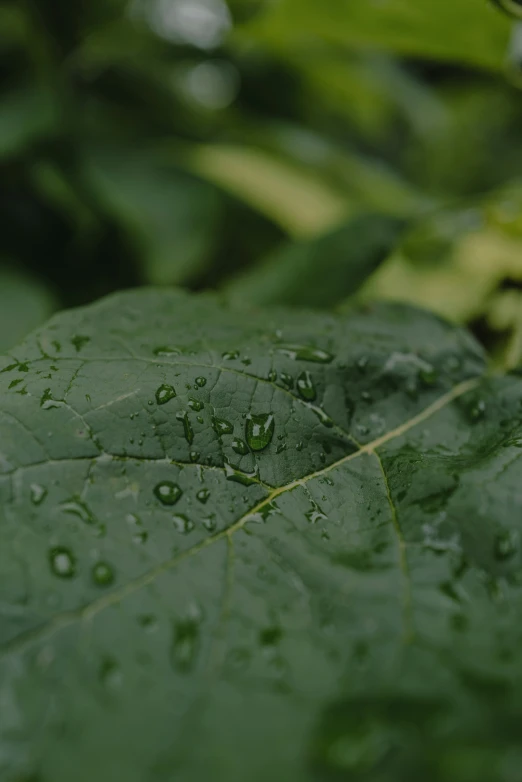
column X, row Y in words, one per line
column 205, row 144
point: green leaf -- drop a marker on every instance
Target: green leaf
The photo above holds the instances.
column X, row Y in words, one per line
column 250, row 545
column 24, row 305
column 467, row 31
column 323, row 271
column 171, row 215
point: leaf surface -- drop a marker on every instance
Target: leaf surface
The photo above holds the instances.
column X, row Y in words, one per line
column 251, row 545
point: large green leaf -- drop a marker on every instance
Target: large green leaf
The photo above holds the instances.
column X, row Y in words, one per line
column 320, row 272
column 469, row 31
column 250, row 545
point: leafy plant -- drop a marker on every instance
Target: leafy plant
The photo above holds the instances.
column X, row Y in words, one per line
column 245, row 545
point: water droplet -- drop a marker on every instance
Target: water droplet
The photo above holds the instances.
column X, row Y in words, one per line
column 305, row 386
column 185, row 645
column 168, row 493
column 210, row 523
column 164, row 394
column 231, row 355
column 63, row 563
column 166, row 351
column 260, row 430
column 183, row 524
column 239, row 446
column 187, row 428
column 221, row 426
column 195, row 404
column 203, row 495
column 38, row 493
column 47, row 402
column 287, row 380
column 76, row 507
column 316, row 514
column 140, row 538
column 272, row 376
column 201, row 382
column 322, row 416
column 506, row 544
column 245, row 479
column 306, row 353
column 102, row 574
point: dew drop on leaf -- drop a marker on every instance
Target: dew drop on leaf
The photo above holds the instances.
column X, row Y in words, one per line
column 231, row 355
column 287, row 380
column 201, row 382
column 306, row 353
column 239, row 446
column 195, row 404
column 203, row 495
column 187, row 427
column 259, row 430
column 102, row 574
column 164, row 394
column 63, row 563
column 166, row 351
column 222, row 426
column 245, row 479
column 305, row 386
column 168, row 493
column 183, row 524
column 38, row 493
column 323, row 417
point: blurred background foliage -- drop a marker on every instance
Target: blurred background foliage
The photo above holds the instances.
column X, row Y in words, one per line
column 280, row 151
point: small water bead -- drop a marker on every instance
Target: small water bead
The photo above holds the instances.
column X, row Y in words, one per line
column 38, row 493
column 231, row 355
column 287, row 380
column 167, row 493
column 187, row 427
column 478, row 410
column 166, row 351
column 183, row 524
column 239, row 446
column 305, row 386
column 165, row 393
column 77, row 507
column 194, row 456
column 203, row 496
column 200, row 382
column 102, row 574
column 140, row 538
column 47, row 402
column 259, row 430
column 62, row 561
column 210, row 523
column 323, row 417
column 306, row 353
column 272, row 376
column 245, row 479
column 195, row 404
column 222, row 426
column 506, row 544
